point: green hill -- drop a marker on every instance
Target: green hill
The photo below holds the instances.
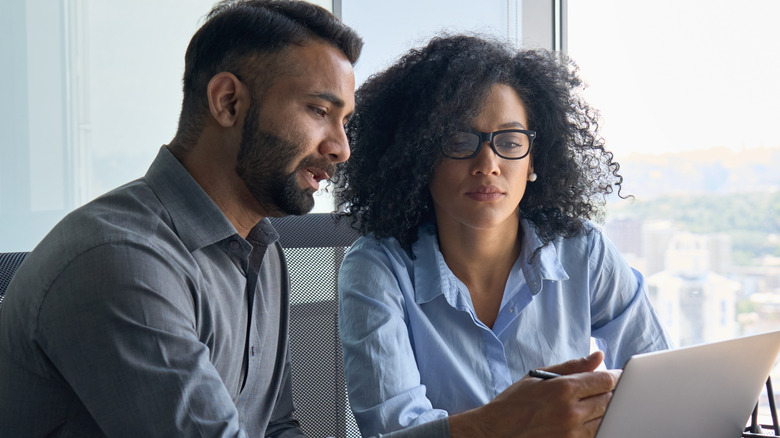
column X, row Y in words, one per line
column 751, row 219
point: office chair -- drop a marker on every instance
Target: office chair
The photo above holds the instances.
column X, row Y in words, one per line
column 314, row 246
column 9, row 263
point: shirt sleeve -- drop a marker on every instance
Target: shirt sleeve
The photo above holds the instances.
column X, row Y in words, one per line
column 439, row 428
column 383, row 380
column 121, row 329
column 623, row 320
column 283, row 424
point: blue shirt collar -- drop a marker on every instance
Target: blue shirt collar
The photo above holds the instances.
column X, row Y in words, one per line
column 546, row 265
column 432, row 276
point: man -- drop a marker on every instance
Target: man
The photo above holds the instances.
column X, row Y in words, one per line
column 161, row 308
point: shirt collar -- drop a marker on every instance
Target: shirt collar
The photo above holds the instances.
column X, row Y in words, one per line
column 197, row 219
column 544, row 265
column 432, row 276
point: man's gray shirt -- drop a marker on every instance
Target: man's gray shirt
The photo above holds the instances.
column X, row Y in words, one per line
column 132, row 318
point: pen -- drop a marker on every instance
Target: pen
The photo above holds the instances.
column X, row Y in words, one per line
column 541, row 374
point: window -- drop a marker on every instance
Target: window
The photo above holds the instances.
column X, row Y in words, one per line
column 93, row 91
column 685, row 90
column 689, row 106
column 689, row 99
column 94, row 88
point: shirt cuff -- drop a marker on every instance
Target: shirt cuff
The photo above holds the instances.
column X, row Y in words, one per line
column 439, row 428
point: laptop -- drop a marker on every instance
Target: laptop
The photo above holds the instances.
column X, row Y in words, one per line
column 706, row 390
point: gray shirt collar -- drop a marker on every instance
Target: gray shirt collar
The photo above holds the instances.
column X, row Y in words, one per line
column 197, row 219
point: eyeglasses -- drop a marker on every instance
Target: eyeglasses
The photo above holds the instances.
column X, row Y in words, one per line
column 509, row 144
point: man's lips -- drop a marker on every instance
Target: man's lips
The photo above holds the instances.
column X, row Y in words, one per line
column 314, row 175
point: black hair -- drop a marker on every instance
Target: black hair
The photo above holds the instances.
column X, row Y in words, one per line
column 406, row 112
column 236, row 32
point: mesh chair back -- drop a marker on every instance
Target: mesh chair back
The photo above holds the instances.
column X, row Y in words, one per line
column 314, row 246
column 9, row 263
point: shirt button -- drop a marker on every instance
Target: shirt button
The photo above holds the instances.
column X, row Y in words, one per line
column 511, row 310
column 234, row 244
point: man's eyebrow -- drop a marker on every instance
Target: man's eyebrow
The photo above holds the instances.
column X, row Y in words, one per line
column 330, row 97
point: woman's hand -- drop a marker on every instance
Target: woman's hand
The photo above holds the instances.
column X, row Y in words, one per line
column 568, row 406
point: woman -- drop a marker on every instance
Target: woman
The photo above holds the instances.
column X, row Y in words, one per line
column 475, row 171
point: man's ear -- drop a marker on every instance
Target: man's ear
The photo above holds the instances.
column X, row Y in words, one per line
column 228, row 97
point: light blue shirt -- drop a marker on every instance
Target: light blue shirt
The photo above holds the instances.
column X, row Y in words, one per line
column 414, row 349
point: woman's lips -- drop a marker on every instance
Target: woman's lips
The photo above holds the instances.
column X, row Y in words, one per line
column 485, row 193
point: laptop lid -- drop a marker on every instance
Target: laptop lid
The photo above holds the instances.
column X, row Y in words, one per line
column 706, row 390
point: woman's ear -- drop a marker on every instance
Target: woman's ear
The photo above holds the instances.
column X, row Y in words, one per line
column 228, row 97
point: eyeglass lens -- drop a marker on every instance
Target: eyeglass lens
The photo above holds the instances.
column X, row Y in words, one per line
column 507, row 144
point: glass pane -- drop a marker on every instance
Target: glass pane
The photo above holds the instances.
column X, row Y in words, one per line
column 390, row 28
column 92, row 92
column 688, row 96
column 690, row 103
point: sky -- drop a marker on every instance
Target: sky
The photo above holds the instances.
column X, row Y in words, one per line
column 672, row 75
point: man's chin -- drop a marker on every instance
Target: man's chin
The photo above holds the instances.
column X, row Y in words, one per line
column 297, row 205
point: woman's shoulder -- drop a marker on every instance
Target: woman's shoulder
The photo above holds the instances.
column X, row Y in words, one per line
column 589, row 232
column 391, row 245
column 369, row 251
column 370, row 243
column 589, row 241
column 593, row 241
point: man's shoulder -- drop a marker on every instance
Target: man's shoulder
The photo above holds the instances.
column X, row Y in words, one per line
column 129, row 216
column 130, row 213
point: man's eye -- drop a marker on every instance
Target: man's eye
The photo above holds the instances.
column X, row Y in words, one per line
column 319, row 111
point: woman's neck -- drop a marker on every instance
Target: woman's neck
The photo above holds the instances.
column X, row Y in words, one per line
column 480, row 257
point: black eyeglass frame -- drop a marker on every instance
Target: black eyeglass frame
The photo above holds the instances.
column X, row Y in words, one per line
column 489, row 136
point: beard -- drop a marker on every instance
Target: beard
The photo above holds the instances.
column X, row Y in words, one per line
column 262, row 161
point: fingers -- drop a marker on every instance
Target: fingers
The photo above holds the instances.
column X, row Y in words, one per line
column 585, row 414
column 591, row 427
column 580, row 386
column 594, row 407
column 583, row 365
column 569, row 405
column 595, row 383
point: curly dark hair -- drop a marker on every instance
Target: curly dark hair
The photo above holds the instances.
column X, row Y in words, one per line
column 404, row 113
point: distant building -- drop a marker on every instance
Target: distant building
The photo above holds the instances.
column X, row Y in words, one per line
column 626, row 234
column 760, row 294
column 694, row 303
column 656, row 236
column 719, row 247
column 695, row 309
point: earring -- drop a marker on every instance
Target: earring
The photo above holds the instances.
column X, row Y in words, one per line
column 532, row 177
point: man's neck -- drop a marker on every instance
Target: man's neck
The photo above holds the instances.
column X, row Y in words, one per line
column 216, row 175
